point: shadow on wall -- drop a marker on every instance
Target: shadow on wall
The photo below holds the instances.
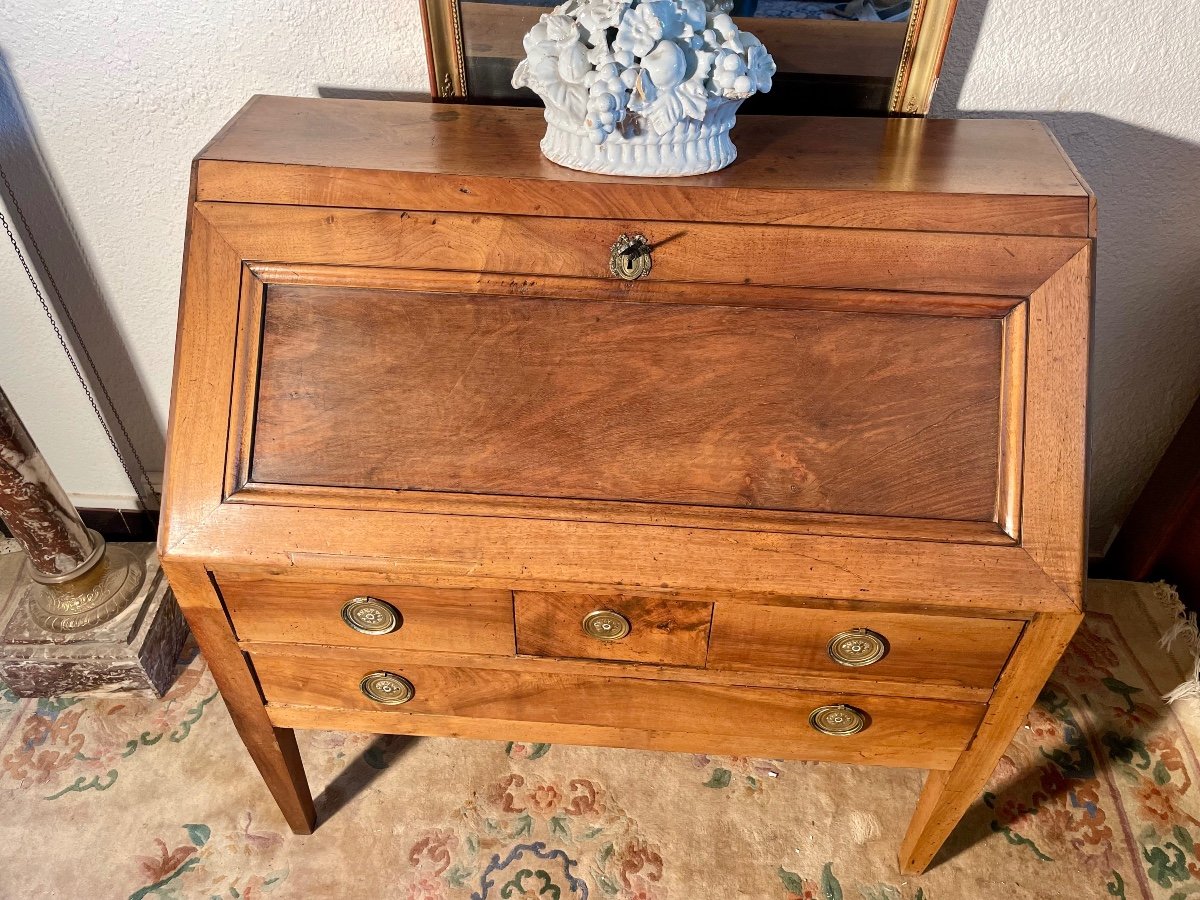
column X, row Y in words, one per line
column 1145, row 363
column 63, row 262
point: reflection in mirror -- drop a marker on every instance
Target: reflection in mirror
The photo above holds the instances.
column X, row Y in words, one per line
column 834, row 58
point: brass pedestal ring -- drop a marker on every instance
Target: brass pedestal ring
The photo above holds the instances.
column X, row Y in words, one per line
column 102, row 593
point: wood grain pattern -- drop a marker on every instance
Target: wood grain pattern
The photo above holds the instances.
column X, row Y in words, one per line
column 340, row 569
column 436, row 295
column 665, row 631
column 270, row 608
column 240, row 490
column 925, row 733
column 1000, row 176
column 202, row 379
column 947, row 795
column 1012, row 420
column 1055, row 524
column 728, row 518
column 550, row 666
column 559, row 287
column 772, row 746
column 272, row 748
column 1006, row 265
column 196, row 445
column 444, row 550
column 245, row 381
column 806, row 410
column 921, row 649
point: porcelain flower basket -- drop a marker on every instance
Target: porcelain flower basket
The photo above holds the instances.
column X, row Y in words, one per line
column 642, row 87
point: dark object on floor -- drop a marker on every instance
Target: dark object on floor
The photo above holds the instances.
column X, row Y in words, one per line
column 78, row 614
column 1160, row 539
column 135, row 651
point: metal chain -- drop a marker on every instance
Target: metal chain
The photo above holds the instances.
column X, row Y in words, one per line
column 66, row 313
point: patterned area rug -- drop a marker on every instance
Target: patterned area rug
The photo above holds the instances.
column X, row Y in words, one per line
column 149, row 799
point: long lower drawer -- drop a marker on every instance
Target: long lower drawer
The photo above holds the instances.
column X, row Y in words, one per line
column 507, row 703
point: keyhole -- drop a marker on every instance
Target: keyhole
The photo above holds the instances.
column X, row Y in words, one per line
column 630, row 258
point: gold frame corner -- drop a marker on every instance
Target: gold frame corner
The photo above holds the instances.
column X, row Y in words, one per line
column 916, row 76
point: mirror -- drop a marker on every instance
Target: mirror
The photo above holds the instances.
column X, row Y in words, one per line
column 835, row 57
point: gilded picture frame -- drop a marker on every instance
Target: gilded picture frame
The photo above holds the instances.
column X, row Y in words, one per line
column 918, row 58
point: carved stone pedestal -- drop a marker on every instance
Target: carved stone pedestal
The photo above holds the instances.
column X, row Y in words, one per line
column 134, row 651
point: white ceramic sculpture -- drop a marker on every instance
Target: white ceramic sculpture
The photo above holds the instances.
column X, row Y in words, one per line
column 642, row 87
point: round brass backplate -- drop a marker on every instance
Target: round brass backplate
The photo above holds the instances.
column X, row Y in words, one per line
column 366, row 615
column 387, row 688
column 838, row 721
column 857, row 647
column 605, row 625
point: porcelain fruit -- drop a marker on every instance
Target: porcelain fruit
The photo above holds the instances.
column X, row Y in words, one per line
column 642, row 87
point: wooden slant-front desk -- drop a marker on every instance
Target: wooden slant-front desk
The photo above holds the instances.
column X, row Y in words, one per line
column 811, row 487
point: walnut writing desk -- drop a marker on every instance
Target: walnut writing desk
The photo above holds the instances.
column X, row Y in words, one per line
column 810, row 487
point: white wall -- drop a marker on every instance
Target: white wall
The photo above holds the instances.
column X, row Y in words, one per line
column 1119, row 84
column 122, row 94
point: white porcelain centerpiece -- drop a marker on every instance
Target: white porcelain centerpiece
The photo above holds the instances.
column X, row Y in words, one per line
column 642, row 87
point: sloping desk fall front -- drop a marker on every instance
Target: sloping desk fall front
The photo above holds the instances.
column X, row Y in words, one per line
column 812, row 487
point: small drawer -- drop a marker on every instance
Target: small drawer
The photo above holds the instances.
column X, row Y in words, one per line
column 363, row 614
column 530, row 700
column 662, row 631
column 872, row 646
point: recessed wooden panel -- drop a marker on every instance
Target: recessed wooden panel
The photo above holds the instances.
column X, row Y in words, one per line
column 920, row 649
column 284, row 610
column 500, row 704
column 662, row 630
column 784, row 409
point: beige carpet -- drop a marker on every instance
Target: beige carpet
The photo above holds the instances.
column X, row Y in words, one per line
column 140, row 798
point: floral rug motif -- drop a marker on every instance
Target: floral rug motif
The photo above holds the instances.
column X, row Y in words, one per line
column 1103, row 773
column 201, row 865
column 498, row 846
column 66, row 744
column 139, row 798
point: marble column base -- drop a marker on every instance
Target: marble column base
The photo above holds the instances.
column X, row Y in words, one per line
column 135, row 651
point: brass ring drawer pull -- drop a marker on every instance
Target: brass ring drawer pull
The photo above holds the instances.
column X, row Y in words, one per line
column 387, row 688
column 605, row 625
column 838, row 721
column 366, row 615
column 857, row 647
column 629, row 259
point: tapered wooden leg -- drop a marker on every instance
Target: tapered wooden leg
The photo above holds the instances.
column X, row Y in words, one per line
column 947, row 795
column 273, row 749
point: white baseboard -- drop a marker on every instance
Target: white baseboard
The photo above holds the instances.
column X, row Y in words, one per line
column 123, row 501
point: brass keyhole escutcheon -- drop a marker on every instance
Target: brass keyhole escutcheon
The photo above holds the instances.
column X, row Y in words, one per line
column 856, row 648
column 838, row 721
column 605, row 625
column 367, row 615
column 630, row 259
column 387, row 688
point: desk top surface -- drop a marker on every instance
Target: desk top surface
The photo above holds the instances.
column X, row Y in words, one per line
column 979, row 175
